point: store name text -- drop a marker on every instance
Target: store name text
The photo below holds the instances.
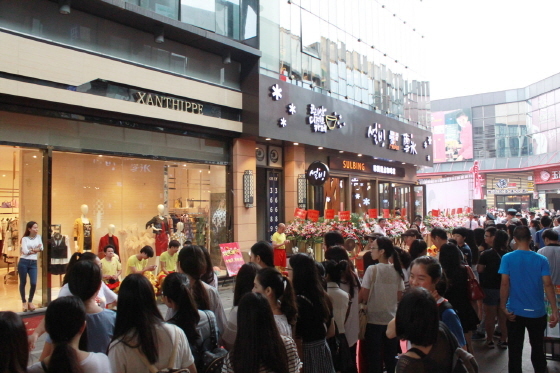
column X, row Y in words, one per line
column 391, row 139
column 168, row 103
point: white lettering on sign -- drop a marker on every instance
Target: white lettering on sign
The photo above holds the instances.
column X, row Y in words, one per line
column 318, row 174
column 317, row 118
column 555, row 175
column 409, row 146
column 377, row 134
column 384, row 170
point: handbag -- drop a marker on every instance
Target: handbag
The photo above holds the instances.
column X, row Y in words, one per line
column 364, row 308
column 152, row 368
column 474, row 289
column 212, row 360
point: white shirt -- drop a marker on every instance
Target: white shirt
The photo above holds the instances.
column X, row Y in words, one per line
column 94, row 363
column 378, row 229
column 27, row 244
column 230, row 332
column 471, row 224
column 340, row 304
column 382, row 304
column 105, row 295
column 352, row 325
column 284, row 327
column 170, row 338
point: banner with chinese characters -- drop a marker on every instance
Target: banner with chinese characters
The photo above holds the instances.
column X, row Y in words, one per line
column 300, row 213
column 547, row 176
column 435, row 213
column 232, row 257
column 313, row 215
column 372, row 213
column 344, row 215
column 386, row 213
column 329, row 214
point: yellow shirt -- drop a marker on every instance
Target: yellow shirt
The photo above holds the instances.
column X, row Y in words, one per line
column 110, row 268
column 134, row 262
column 279, row 238
column 168, row 261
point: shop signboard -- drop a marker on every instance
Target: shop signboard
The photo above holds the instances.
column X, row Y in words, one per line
column 365, row 167
column 232, row 257
column 547, row 176
column 313, row 215
column 344, row 215
column 317, row 173
column 329, row 214
column 452, row 133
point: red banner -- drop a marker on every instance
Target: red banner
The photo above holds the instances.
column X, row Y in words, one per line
column 386, row 213
column 551, row 175
column 329, row 214
column 403, row 211
column 372, row 213
column 300, row 213
column 31, row 322
column 469, row 210
column 459, row 210
column 344, row 215
column 232, row 257
column 313, row 215
column 452, row 211
column 435, row 213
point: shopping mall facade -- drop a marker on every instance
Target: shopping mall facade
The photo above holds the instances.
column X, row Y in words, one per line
column 513, row 138
column 215, row 111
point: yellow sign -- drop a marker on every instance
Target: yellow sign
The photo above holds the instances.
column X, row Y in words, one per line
column 168, row 103
column 350, row 165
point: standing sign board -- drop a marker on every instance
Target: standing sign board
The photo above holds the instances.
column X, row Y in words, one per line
column 232, row 257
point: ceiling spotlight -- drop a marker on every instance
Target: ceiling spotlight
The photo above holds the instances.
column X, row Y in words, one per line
column 267, row 139
column 359, row 155
column 296, row 143
column 64, row 7
column 158, row 34
column 341, row 151
column 403, row 162
column 320, row 148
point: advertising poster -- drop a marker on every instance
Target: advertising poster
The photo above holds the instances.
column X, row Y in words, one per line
column 452, row 135
column 232, row 257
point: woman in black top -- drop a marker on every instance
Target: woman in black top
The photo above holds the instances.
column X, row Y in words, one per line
column 490, row 280
column 457, row 294
column 314, row 322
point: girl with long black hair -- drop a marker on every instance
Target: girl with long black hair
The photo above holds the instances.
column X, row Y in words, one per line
column 280, row 294
column 15, row 351
column 314, row 322
column 142, row 341
column 31, row 245
column 259, row 347
column 65, row 321
column 385, row 283
column 192, row 262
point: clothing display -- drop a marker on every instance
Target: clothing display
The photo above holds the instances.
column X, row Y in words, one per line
column 108, row 240
column 83, row 235
column 161, row 230
column 179, row 236
column 58, row 254
column 10, row 236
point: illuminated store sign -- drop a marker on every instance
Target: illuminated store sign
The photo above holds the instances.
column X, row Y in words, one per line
column 365, row 167
column 168, row 103
column 321, row 122
column 317, row 173
column 406, row 143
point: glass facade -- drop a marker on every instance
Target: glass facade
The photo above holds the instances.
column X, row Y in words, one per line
column 358, row 51
column 41, row 19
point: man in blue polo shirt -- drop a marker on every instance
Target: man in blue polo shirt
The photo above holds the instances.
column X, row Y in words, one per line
column 524, row 275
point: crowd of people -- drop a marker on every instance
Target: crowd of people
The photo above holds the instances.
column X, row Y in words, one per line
column 405, row 311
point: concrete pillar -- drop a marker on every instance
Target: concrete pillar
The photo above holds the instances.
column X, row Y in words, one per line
column 294, row 164
column 244, row 219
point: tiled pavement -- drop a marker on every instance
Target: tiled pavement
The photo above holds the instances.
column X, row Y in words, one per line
column 489, row 361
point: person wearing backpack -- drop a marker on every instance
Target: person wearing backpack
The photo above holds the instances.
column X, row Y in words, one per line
column 434, row 348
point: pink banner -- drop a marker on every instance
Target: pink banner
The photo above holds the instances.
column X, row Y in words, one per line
column 232, row 257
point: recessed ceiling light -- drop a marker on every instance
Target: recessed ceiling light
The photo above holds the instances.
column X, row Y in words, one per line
column 267, row 139
column 34, row 156
column 403, row 163
column 359, row 155
column 296, row 143
column 320, row 148
column 341, row 151
column 100, row 155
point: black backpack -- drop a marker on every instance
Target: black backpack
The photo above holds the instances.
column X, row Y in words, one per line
column 211, row 361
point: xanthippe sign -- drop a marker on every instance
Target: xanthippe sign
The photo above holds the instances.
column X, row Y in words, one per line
column 168, row 102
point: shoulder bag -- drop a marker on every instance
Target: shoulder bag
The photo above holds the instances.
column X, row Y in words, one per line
column 212, row 360
column 474, row 289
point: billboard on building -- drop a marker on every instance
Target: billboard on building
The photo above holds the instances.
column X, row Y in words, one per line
column 452, row 135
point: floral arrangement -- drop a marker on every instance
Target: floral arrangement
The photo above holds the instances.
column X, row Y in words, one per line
column 444, row 222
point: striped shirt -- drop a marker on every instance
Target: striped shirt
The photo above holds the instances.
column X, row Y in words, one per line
column 294, row 363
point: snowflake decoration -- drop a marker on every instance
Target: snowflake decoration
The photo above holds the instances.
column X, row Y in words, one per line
column 429, row 140
column 328, row 199
column 428, row 157
column 282, row 122
column 276, row 92
column 339, row 122
column 357, row 196
column 291, row 109
column 425, row 144
column 366, row 201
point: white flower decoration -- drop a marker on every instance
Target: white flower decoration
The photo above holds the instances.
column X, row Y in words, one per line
column 276, row 92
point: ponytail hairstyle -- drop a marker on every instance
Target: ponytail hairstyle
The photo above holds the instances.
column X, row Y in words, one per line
column 64, row 319
column 14, row 353
column 333, row 271
column 283, row 291
column 385, row 243
column 76, row 257
column 193, row 263
column 349, row 277
column 244, row 281
column 176, row 288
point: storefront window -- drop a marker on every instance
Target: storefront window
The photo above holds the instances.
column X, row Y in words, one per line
column 401, row 198
column 363, row 195
column 384, row 196
column 126, row 192
column 21, row 200
column 419, row 200
column 518, row 202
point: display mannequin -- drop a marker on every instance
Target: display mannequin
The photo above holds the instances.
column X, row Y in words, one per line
column 160, row 227
column 83, row 232
column 108, row 239
column 179, row 235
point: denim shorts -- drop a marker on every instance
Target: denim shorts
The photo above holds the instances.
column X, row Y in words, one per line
column 491, row 297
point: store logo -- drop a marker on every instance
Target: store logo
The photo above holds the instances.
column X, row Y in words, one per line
column 545, row 175
column 502, row 183
column 168, row 103
column 259, row 153
column 321, row 122
column 274, row 156
column 317, row 173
